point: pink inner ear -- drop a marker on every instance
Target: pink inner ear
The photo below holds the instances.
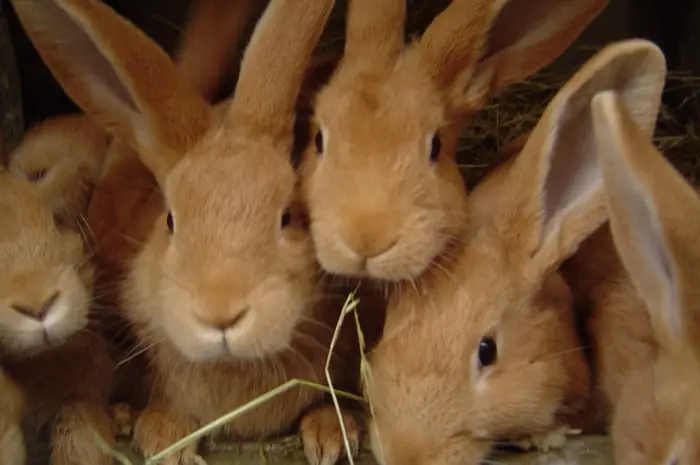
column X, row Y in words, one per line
column 94, row 67
column 646, row 233
column 574, row 173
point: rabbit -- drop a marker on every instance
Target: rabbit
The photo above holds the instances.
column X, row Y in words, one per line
column 383, row 189
column 242, row 247
column 496, row 355
column 654, row 227
column 614, row 316
column 127, row 197
column 51, row 353
column 63, row 156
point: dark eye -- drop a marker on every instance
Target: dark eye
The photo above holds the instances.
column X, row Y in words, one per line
column 318, row 141
column 37, row 175
column 286, row 219
column 487, row 352
column 170, row 222
column 435, row 148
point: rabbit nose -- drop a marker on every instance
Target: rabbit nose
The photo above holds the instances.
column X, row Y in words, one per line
column 37, row 312
column 224, row 322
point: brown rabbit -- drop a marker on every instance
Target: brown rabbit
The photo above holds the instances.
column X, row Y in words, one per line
column 655, row 221
column 128, row 198
column 495, row 352
column 63, row 156
column 615, row 316
column 383, row 187
column 50, row 350
column 225, row 291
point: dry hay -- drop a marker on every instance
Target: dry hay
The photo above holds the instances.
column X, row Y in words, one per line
column 518, row 109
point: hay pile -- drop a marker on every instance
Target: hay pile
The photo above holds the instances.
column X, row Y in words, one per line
column 518, row 109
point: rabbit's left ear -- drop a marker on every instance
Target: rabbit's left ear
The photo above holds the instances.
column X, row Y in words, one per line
column 555, row 197
column 119, row 76
column 655, row 222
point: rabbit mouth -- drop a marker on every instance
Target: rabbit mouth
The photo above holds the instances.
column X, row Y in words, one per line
column 45, row 328
column 399, row 259
column 250, row 338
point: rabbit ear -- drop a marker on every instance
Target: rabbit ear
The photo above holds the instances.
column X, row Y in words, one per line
column 374, row 31
column 118, row 75
column 274, row 65
column 211, row 35
column 479, row 46
column 655, row 221
column 555, row 183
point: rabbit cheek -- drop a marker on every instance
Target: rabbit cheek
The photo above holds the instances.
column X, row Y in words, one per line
column 270, row 325
column 193, row 339
column 42, row 318
column 69, row 314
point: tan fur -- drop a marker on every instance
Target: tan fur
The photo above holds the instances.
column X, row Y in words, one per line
column 212, row 32
column 654, row 225
column 432, row 402
column 227, row 184
column 379, row 207
column 12, row 447
column 614, row 315
column 58, row 362
column 63, row 156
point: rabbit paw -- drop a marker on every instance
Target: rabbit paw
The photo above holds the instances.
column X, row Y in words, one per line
column 123, row 417
column 322, row 435
column 155, row 430
column 12, row 448
column 78, row 430
column 544, row 442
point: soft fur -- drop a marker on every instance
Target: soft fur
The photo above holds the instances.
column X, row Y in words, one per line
column 431, row 400
column 650, row 349
column 616, row 323
column 12, row 447
column 229, row 304
column 63, row 156
column 654, row 223
column 52, row 353
column 379, row 206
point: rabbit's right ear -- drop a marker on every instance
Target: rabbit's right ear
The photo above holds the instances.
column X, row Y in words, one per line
column 520, row 38
column 655, row 222
column 118, row 75
column 555, row 197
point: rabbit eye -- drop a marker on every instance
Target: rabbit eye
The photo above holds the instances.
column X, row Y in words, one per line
column 170, row 223
column 487, row 352
column 286, row 219
column 318, row 141
column 37, row 175
column 435, row 148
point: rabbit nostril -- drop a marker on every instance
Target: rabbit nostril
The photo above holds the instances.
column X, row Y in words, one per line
column 49, row 303
column 232, row 321
column 37, row 313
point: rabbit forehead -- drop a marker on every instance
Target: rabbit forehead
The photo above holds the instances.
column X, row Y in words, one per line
column 25, row 217
column 248, row 183
column 380, row 107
